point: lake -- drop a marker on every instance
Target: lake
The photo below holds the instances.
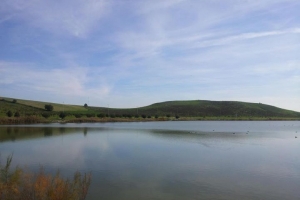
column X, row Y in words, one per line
column 166, row 160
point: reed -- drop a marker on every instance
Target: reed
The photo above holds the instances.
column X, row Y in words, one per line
column 18, row 185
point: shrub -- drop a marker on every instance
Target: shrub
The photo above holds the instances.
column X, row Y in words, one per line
column 9, row 114
column 85, row 105
column 14, row 101
column 100, row 115
column 90, row 115
column 177, row 117
column 45, row 115
column 136, row 116
column 144, row 116
column 78, row 115
column 17, row 114
column 156, row 116
column 62, row 115
column 149, row 116
column 168, row 115
column 49, row 107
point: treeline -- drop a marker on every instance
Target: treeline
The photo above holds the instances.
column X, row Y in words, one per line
column 202, row 110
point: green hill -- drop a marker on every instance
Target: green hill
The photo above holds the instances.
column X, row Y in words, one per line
column 184, row 109
column 31, row 106
column 202, row 108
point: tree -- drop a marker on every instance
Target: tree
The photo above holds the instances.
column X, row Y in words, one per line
column 85, row 105
column 9, row 114
column 48, row 107
column 17, row 114
column 78, row 115
column 46, row 115
column 62, row 115
column 14, row 101
column 101, row 115
column 90, row 115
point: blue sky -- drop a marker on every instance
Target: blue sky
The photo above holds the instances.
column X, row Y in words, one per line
column 130, row 53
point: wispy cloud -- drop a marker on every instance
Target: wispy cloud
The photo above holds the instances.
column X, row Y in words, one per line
column 77, row 18
column 71, row 82
column 151, row 50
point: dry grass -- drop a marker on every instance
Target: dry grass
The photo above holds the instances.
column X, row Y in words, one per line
column 17, row 185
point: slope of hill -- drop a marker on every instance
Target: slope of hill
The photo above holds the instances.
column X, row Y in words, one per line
column 41, row 105
column 202, row 108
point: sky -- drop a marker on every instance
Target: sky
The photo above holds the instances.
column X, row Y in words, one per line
column 132, row 53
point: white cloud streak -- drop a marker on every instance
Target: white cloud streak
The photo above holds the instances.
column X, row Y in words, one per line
column 180, row 49
column 65, row 82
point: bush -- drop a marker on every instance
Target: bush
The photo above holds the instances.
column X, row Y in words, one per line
column 101, row 115
column 177, row 117
column 17, row 185
column 62, row 115
column 14, row 101
column 49, row 107
column 149, row 116
column 136, row 116
column 9, row 114
column 156, row 116
column 46, row 115
column 85, row 105
column 168, row 115
column 78, row 115
column 17, row 114
column 144, row 116
column 90, row 115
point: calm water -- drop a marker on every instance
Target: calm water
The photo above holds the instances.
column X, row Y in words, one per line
column 166, row 160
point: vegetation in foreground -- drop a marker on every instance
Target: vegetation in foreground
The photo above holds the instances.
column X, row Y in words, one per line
column 16, row 111
column 18, row 185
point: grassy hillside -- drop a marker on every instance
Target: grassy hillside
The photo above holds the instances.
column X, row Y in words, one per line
column 201, row 108
column 41, row 105
column 197, row 109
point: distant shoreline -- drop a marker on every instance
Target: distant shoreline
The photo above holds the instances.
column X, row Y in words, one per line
column 38, row 120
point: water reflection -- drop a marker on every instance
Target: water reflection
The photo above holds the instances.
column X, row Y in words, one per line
column 85, row 132
column 205, row 161
column 23, row 133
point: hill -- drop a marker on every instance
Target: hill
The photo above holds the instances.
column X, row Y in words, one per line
column 34, row 106
column 196, row 109
column 202, row 108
